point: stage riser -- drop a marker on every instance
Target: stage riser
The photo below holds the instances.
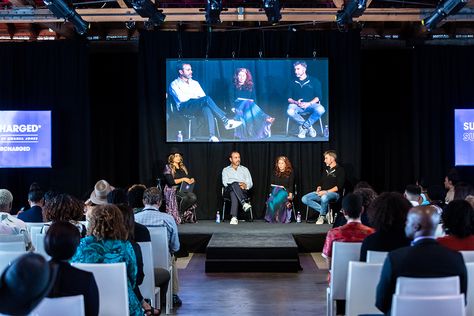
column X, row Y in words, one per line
column 290, row 266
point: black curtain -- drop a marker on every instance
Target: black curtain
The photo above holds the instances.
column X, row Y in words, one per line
column 49, row 76
column 206, row 161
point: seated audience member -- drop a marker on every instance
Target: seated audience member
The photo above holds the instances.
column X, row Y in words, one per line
column 24, row 283
column 368, row 195
column 279, row 203
column 106, row 242
column 458, row 223
column 462, row 190
column 413, row 194
column 64, row 207
column 99, row 194
column 451, row 179
column 135, row 197
column 60, row 243
column 424, row 259
column 436, row 195
column 151, row 216
column 36, row 201
column 387, row 214
column 10, row 224
column 180, row 205
column 470, row 200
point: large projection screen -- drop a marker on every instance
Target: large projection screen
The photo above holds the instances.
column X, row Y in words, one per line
column 25, row 139
column 203, row 96
column 464, row 137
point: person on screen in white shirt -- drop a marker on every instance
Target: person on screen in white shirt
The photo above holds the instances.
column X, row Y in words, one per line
column 237, row 181
column 191, row 99
column 305, row 99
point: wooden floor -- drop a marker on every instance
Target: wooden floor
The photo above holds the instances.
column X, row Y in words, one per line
column 210, row 294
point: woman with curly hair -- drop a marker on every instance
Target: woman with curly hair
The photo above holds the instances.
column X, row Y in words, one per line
column 387, row 214
column 64, row 207
column 458, row 223
column 107, row 242
column 178, row 204
column 279, row 203
column 256, row 123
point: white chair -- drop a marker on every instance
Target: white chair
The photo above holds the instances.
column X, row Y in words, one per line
column 470, row 288
column 39, row 248
column 447, row 305
column 342, row 253
column 13, row 245
column 67, row 305
column 162, row 259
column 428, row 286
column 12, row 238
column 148, row 288
column 439, row 231
column 376, row 256
column 468, row 256
column 111, row 279
column 6, row 257
column 362, row 283
column 29, row 225
column 35, row 230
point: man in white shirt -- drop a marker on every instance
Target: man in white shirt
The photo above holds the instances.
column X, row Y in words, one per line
column 16, row 226
column 236, row 180
column 191, row 99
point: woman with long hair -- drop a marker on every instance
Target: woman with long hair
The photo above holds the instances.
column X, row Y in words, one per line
column 179, row 204
column 256, row 123
column 279, row 203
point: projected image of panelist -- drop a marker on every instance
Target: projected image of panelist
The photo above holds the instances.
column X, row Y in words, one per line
column 191, row 99
column 304, row 100
column 256, row 123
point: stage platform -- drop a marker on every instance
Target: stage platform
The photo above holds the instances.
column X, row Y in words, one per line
column 196, row 237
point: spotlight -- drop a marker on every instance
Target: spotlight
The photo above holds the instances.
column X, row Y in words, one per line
column 147, row 9
column 213, row 11
column 62, row 10
column 448, row 7
column 352, row 9
column 272, row 10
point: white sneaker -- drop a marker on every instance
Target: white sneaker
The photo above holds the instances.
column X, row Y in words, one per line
column 246, row 206
column 302, row 132
column 312, row 132
column 234, row 221
column 214, row 139
column 232, row 124
column 320, row 220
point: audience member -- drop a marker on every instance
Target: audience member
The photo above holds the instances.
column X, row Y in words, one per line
column 99, row 194
column 36, row 201
column 462, row 190
column 60, row 243
column 451, row 179
column 64, row 207
column 368, row 195
column 424, row 259
column 436, row 195
column 458, row 223
column 387, row 214
column 10, row 224
column 413, row 194
column 135, row 197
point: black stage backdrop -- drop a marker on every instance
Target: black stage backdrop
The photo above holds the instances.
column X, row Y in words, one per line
column 205, row 161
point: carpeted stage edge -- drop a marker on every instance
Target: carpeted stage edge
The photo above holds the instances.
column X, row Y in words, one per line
column 195, row 237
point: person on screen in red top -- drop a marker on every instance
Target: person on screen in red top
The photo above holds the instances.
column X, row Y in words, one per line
column 305, row 99
column 191, row 99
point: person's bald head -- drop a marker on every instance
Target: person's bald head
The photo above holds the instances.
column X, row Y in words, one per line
column 422, row 221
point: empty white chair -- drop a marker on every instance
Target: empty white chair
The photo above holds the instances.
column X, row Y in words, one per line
column 470, row 288
column 147, row 288
column 111, row 279
column 12, row 245
column 468, row 256
column 6, row 257
column 342, row 253
column 67, row 305
column 448, row 305
column 376, row 256
column 362, row 280
column 428, row 286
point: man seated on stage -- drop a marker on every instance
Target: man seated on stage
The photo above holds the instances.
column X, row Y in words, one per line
column 329, row 187
column 236, row 180
column 191, row 99
column 425, row 258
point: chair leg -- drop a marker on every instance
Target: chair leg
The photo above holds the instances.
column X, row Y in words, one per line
column 329, row 303
column 294, row 212
column 217, row 128
column 189, row 128
column 287, row 125
column 223, row 212
column 321, row 124
column 307, row 210
column 251, row 214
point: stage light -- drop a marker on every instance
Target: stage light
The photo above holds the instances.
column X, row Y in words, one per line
column 272, row 10
column 351, row 9
column 213, row 11
column 61, row 10
column 147, row 9
column 448, row 7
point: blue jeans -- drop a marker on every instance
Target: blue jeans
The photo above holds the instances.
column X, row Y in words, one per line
column 314, row 111
column 319, row 203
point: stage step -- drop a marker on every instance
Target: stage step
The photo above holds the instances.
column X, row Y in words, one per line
column 231, row 252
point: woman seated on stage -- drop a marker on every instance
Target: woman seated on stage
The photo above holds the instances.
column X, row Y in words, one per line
column 279, row 203
column 256, row 123
column 180, row 205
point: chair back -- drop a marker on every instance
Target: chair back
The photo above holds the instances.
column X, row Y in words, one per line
column 66, row 305
column 12, row 238
column 147, row 288
column 30, row 225
column 342, row 253
column 470, row 288
column 111, row 279
column 448, row 305
column 428, row 286
column 39, row 248
column 468, row 256
column 159, row 241
column 6, row 258
column 35, row 230
column 13, row 245
column 362, row 283
column 376, row 256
